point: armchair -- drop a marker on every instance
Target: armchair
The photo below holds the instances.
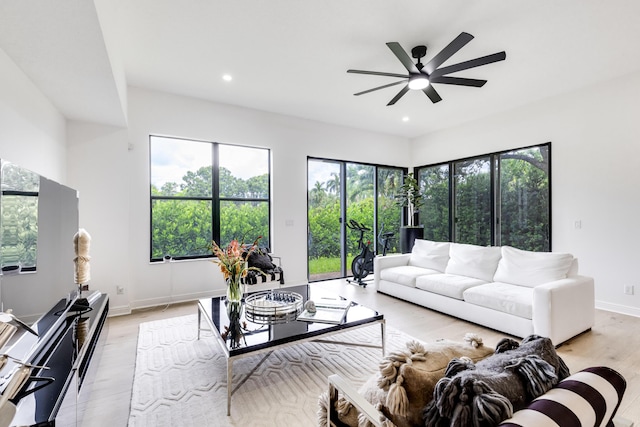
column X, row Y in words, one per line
column 269, row 270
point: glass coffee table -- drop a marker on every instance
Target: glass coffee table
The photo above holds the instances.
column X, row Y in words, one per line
column 240, row 334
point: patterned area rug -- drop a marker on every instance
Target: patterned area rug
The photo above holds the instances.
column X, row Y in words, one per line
column 180, row 381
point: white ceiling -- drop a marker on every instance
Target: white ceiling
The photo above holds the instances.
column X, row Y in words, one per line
column 291, row 56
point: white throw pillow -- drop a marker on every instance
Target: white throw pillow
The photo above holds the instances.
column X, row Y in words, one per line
column 428, row 254
column 473, row 261
column 531, row 269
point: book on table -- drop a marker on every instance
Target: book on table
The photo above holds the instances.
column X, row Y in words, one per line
column 327, row 311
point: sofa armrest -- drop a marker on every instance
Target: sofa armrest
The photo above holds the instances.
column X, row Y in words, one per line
column 564, row 308
column 381, row 262
column 276, row 260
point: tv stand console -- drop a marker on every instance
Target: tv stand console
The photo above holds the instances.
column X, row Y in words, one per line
column 69, row 336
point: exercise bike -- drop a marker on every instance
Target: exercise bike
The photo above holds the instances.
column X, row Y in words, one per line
column 362, row 264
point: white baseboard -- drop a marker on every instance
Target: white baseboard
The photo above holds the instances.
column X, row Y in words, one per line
column 618, row 308
column 175, row 299
column 154, row 302
column 119, row 311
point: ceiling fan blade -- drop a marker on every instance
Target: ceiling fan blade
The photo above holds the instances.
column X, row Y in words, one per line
column 432, row 94
column 484, row 60
column 399, row 95
column 380, row 87
column 400, row 53
column 378, row 73
column 460, row 81
column 446, row 53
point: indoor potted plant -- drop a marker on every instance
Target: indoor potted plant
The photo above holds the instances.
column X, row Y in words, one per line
column 410, row 198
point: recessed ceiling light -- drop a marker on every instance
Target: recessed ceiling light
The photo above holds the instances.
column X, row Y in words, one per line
column 227, row 77
column 405, row 119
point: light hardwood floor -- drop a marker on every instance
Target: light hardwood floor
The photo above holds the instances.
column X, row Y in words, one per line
column 614, row 341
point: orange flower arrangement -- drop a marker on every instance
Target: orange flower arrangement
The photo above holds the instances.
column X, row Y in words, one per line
column 233, row 265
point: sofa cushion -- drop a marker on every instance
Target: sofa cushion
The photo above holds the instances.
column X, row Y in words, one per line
column 528, row 268
column 473, row 261
column 589, row 397
column 449, row 285
column 404, row 274
column 428, row 254
column 505, row 297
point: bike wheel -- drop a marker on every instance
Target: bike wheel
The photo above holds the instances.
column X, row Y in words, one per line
column 359, row 268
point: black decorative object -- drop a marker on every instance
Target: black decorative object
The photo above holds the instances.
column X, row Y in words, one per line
column 408, row 236
column 410, row 198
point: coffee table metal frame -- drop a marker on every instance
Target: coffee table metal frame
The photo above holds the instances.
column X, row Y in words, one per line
column 316, row 337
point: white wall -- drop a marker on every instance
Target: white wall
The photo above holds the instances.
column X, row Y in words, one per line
column 595, row 136
column 98, row 169
column 32, row 130
column 33, row 135
column 111, row 170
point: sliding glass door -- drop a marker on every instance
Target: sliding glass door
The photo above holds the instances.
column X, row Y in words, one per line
column 338, row 193
column 325, row 211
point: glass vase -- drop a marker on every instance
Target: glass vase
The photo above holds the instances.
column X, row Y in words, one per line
column 234, row 289
column 234, row 333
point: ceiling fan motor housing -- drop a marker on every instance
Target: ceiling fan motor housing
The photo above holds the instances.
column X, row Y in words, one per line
column 419, row 52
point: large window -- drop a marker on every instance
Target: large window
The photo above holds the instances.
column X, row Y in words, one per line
column 204, row 191
column 472, row 201
column 495, row 199
column 434, row 185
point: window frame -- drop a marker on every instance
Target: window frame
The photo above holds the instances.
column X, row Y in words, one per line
column 215, row 197
column 495, row 193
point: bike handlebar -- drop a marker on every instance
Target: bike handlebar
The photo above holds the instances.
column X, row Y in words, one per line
column 354, row 225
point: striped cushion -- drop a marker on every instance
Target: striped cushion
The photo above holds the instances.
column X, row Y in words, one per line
column 588, row 398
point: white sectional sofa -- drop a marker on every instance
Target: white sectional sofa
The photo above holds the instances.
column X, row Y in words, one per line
column 504, row 288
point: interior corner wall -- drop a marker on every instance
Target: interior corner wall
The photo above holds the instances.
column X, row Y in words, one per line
column 595, row 149
column 32, row 130
column 290, row 140
column 97, row 169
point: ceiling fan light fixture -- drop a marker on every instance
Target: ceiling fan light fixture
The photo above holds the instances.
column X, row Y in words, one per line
column 418, row 82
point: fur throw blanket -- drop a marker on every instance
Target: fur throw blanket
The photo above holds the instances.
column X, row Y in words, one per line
column 405, row 382
column 488, row 392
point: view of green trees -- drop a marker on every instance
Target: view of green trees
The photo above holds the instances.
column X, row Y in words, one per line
column 19, row 228
column 182, row 213
column 324, row 213
column 522, row 206
column 525, row 199
column 521, row 202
